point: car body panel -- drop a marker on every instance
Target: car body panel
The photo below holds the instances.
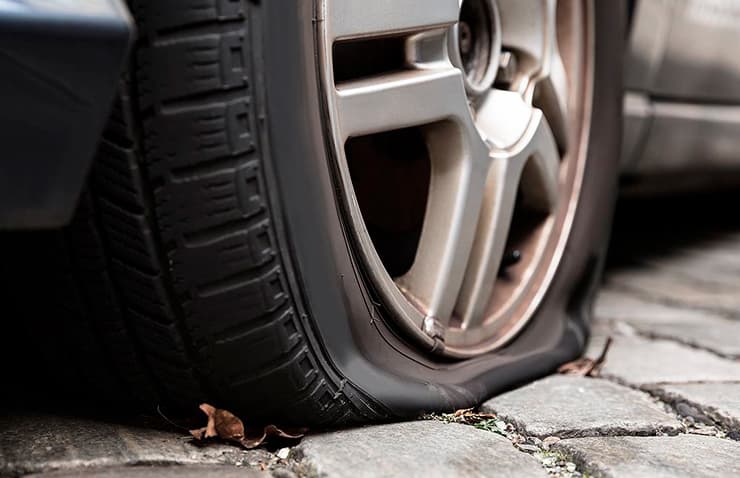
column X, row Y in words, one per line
column 682, row 75
column 60, row 63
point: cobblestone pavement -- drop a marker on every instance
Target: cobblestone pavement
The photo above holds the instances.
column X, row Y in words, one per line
column 665, row 403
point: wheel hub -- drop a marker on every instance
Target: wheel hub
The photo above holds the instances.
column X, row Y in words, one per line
column 475, row 44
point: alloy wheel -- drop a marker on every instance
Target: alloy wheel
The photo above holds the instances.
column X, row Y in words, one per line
column 459, row 131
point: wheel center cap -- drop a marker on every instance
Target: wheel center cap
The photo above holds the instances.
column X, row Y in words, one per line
column 475, row 44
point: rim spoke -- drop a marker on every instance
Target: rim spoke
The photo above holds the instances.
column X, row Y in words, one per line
column 530, row 30
column 503, row 118
column 455, row 200
column 541, row 175
column 534, row 162
column 401, row 100
column 553, row 98
column 359, row 18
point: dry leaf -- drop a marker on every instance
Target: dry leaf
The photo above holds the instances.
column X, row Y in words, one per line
column 466, row 416
column 469, row 417
column 221, row 423
column 586, row 367
column 256, row 439
column 227, row 426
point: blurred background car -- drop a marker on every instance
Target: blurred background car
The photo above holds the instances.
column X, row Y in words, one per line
column 682, row 85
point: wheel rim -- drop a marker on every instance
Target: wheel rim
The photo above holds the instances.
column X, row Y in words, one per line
column 502, row 153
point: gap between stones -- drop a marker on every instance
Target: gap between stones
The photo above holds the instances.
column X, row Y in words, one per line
column 672, row 405
column 555, row 462
column 551, row 459
column 563, row 463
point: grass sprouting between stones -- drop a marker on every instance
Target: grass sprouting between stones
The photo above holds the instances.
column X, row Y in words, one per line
column 555, row 462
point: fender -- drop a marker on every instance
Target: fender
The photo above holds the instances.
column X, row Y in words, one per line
column 60, row 62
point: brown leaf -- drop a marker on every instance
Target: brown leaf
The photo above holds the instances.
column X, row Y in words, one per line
column 462, row 412
column 221, row 423
column 586, row 367
column 256, row 437
column 208, row 431
column 199, row 433
column 470, row 417
column 253, row 441
column 467, row 416
column 227, row 426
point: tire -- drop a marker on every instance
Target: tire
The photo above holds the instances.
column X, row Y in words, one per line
column 209, row 260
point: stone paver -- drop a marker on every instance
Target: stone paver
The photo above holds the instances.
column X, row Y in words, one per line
column 718, row 335
column 720, row 401
column 628, row 307
column 33, row 443
column 690, row 326
column 426, row 449
column 639, row 361
column 655, row 457
column 677, row 290
column 720, row 269
column 567, row 406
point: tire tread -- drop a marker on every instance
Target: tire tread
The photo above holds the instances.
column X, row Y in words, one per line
column 195, row 291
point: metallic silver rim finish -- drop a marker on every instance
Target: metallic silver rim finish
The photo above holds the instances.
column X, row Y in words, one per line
column 490, row 149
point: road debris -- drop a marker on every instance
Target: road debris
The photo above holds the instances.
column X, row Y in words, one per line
column 587, row 367
column 226, row 426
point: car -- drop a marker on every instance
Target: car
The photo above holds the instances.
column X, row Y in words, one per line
column 681, row 82
column 333, row 211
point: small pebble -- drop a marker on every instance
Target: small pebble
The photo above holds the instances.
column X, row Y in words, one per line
column 706, row 431
column 528, row 448
column 571, row 467
column 283, row 453
column 694, row 413
column 549, row 461
column 549, row 441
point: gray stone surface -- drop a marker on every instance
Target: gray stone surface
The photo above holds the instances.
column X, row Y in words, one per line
column 426, row 449
column 640, row 361
column 674, row 289
column 173, row 471
column 567, row 406
column 627, row 307
column 721, row 336
column 720, row 401
column 694, row 327
column 655, row 457
column 706, row 268
column 33, row 443
column 713, row 261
